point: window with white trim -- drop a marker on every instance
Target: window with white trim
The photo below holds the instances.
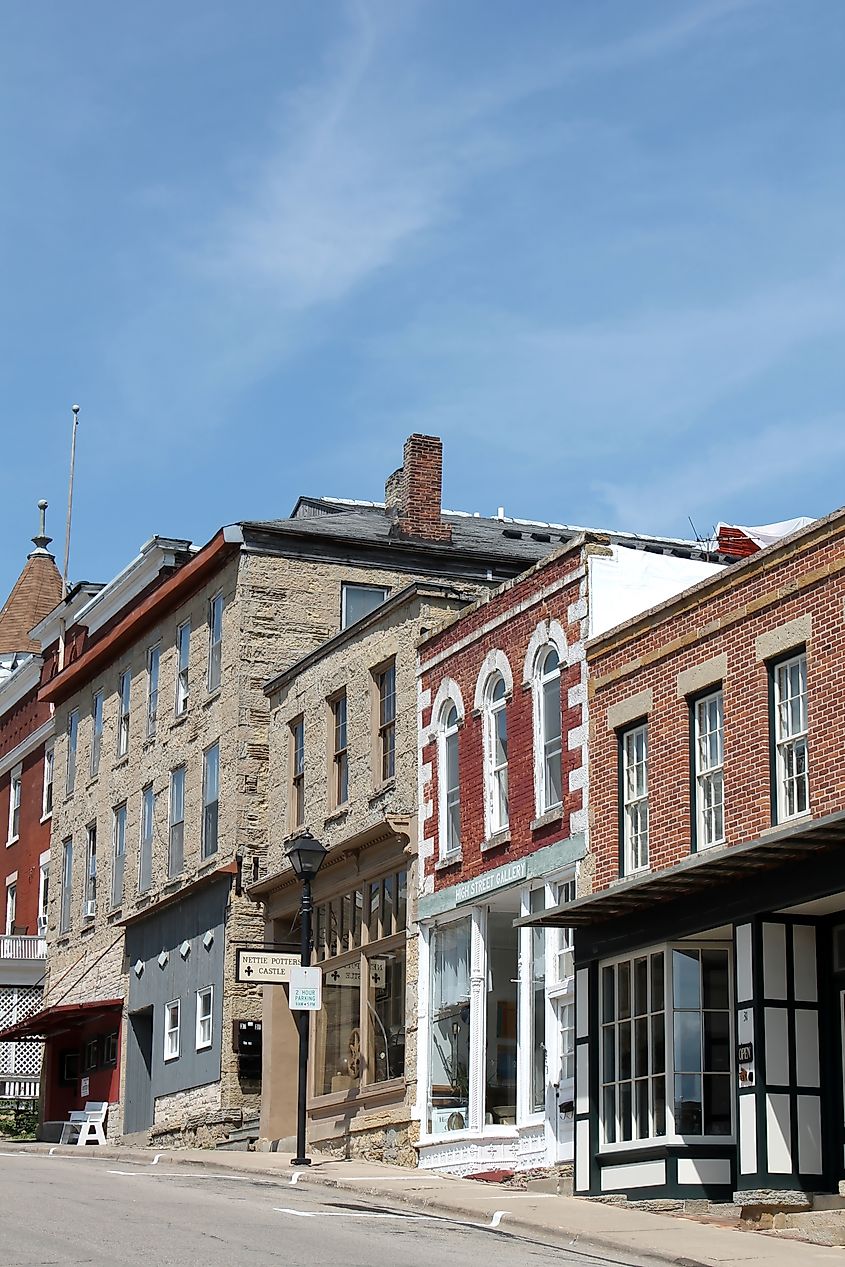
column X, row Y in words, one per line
column 124, row 699
column 183, row 655
column 118, row 853
column 89, row 901
column 709, row 774
column 47, row 792
column 72, row 742
column 67, row 883
column 666, row 1045
column 548, row 731
column 43, row 894
column 210, row 799
column 215, row 641
column 145, row 850
column 15, row 785
column 448, row 781
column 496, row 753
column 172, row 1027
column 11, row 905
column 96, row 733
column 790, row 727
column 358, row 601
column 205, row 1002
column 176, row 825
column 634, row 745
column 153, row 669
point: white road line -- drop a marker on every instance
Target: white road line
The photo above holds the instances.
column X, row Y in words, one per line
column 156, row 1159
column 497, row 1218
column 180, row 1174
column 353, row 1214
column 295, row 1177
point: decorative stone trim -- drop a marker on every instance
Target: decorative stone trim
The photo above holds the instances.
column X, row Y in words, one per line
column 628, row 710
column 777, row 641
column 708, row 673
column 494, row 662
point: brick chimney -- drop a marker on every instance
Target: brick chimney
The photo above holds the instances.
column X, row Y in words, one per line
column 412, row 494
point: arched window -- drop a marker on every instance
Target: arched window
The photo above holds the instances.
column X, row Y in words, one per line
column 547, row 696
column 496, row 751
column 448, row 781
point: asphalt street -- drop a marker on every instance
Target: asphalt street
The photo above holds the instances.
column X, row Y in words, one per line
column 67, row 1211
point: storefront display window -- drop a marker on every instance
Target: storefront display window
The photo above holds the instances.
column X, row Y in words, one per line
column 450, row 1028
column 537, row 902
column 360, row 1033
column 502, row 1001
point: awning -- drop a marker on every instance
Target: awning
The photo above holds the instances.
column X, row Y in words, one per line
column 58, row 1020
column 695, row 875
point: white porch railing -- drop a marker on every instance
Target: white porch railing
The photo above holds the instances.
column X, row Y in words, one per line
column 19, row 1088
column 20, row 947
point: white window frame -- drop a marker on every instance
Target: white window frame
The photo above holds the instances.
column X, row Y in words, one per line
column 546, row 748
column 148, row 809
column 124, row 707
column 65, row 909
column 183, row 668
column 173, row 823
column 89, row 898
column 671, row 1137
column 448, row 733
column 172, row 1033
column 11, row 902
column 790, row 733
column 215, row 642
column 635, row 836
column 97, row 706
column 43, row 892
column 72, row 750
column 118, row 853
column 496, row 774
column 47, row 785
column 153, row 681
column 15, row 792
column 208, row 801
column 205, row 1040
column 709, row 752
column 353, row 585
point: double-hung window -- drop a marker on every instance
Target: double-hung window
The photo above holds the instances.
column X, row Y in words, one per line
column 15, row 786
column 215, row 641
column 386, row 683
column 496, row 752
column 153, row 667
column 789, row 680
column 124, row 698
column 96, row 733
column 47, row 793
column 172, row 1027
column 210, row 799
column 340, row 752
column 183, row 655
column 634, row 746
column 176, row 833
column 89, row 904
column 548, row 731
column 11, row 905
column 297, row 772
column 72, row 743
column 448, row 780
column 67, row 884
column 119, row 853
column 205, row 1003
column 145, row 851
column 709, row 746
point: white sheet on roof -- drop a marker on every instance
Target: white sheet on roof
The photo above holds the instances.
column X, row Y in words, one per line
column 766, row 534
column 629, row 582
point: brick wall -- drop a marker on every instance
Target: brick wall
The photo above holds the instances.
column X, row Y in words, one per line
column 802, row 581
column 552, row 594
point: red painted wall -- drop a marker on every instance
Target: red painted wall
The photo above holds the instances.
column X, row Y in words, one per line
column 60, row 1098
column 34, row 836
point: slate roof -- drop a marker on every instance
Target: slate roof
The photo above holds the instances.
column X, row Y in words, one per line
column 521, row 540
column 34, row 594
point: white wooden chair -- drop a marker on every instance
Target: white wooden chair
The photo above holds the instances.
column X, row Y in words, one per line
column 87, row 1123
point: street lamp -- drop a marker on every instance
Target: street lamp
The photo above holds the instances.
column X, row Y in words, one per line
column 306, row 856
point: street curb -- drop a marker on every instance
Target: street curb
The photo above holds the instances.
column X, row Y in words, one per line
column 514, row 1225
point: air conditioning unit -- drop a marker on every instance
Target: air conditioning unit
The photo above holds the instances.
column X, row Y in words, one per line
column 90, row 908
column 42, row 925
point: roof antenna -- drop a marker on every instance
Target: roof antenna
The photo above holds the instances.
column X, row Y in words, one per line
column 75, row 412
column 41, row 541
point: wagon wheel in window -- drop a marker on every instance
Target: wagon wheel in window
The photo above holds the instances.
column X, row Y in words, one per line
column 354, row 1058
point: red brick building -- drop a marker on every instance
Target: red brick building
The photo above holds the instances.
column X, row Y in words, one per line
column 25, row 807
column 503, row 826
column 710, row 959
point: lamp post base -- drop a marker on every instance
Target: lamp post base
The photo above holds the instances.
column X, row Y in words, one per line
column 300, row 1161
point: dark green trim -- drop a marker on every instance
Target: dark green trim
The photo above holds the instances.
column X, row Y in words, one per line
column 771, row 669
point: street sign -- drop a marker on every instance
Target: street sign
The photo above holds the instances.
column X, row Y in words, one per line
column 265, row 967
column 350, row 975
column 306, row 989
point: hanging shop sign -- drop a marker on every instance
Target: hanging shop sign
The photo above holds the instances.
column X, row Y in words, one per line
column 265, row 967
column 350, row 975
column 511, row 873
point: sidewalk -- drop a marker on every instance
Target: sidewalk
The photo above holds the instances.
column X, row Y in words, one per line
column 630, row 1236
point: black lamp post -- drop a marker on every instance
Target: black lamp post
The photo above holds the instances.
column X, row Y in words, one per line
column 306, row 856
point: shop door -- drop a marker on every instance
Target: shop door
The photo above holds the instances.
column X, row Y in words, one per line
column 563, row 1100
column 138, row 1107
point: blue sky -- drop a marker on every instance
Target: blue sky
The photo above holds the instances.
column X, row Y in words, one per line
column 598, row 246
